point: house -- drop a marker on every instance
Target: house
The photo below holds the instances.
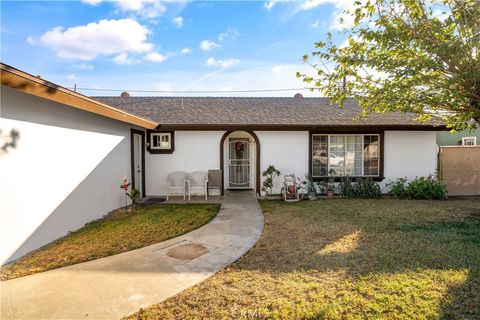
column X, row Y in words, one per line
column 74, row 151
column 461, row 138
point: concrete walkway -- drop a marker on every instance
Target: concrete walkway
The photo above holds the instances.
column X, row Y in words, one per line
column 112, row 287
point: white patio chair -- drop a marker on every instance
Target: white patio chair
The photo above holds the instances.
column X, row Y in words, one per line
column 176, row 183
column 197, row 184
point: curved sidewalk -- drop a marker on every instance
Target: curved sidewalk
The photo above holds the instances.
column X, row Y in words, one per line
column 112, row 287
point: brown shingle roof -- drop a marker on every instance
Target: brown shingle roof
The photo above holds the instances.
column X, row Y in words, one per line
column 270, row 112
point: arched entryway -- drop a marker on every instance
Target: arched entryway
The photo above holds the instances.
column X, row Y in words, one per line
column 240, row 161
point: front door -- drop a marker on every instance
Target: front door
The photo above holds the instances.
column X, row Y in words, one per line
column 137, row 158
column 239, row 163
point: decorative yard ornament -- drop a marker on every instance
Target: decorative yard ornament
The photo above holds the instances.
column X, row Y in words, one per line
column 125, row 185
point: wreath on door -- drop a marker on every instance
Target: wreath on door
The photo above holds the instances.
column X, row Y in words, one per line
column 239, row 148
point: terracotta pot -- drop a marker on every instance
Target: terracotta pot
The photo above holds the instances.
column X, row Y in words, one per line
column 329, row 193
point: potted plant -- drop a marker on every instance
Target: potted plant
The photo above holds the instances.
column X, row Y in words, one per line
column 330, row 185
column 312, row 192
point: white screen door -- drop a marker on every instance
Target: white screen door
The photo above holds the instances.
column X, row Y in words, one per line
column 137, row 161
column 239, row 163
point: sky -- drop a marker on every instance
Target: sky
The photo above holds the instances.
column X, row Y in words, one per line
column 169, row 45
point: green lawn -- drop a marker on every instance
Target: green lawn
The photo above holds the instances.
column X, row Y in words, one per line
column 112, row 235
column 348, row 259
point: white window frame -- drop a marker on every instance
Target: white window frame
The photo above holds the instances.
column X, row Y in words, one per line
column 160, row 135
column 363, row 158
column 469, row 138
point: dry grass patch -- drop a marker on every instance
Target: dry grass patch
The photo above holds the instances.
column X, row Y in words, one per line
column 347, row 259
column 113, row 234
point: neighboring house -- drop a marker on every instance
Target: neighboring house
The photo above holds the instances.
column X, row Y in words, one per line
column 461, row 138
column 74, row 150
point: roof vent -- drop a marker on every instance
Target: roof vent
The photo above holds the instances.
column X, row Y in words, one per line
column 298, row 96
column 125, row 94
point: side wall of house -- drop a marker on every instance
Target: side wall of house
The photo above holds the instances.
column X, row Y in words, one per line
column 64, row 172
column 409, row 154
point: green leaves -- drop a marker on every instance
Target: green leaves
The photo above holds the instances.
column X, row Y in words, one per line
column 409, row 56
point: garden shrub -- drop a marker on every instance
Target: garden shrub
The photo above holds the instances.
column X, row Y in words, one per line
column 367, row 188
column 346, row 187
column 426, row 188
column 398, row 188
column 429, row 188
column 363, row 188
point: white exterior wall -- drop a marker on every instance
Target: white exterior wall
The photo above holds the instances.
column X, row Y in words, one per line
column 287, row 151
column 194, row 151
column 409, row 154
column 65, row 171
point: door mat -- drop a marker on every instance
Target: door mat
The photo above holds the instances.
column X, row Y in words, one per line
column 152, row 201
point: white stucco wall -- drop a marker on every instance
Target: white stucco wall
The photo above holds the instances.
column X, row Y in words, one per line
column 65, row 171
column 409, row 154
column 194, row 151
column 287, row 151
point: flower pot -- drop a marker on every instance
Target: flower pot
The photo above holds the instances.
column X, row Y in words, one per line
column 330, row 193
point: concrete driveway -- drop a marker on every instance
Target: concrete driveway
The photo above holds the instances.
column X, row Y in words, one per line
column 119, row 285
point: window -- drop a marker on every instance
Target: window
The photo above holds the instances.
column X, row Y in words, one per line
column 160, row 141
column 345, row 155
column 469, row 141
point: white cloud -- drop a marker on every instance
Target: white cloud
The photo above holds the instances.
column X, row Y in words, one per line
column 155, row 57
column 32, row 41
column 230, row 33
column 212, row 62
column 185, row 51
column 207, row 45
column 92, row 2
column 340, row 21
column 84, row 66
column 73, row 77
column 106, row 37
column 271, row 3
column 145, row 8
column 316, row 24
column 280, row 68
column 178, row 22
column 122, row 59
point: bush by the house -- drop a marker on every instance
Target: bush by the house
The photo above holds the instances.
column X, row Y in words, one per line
column 398, row 188
column 362, row 188
column 429, row 188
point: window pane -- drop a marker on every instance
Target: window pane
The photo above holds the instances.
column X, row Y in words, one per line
column 319, row 155
column 353, row 155
column 337, row 155
column 370, row 155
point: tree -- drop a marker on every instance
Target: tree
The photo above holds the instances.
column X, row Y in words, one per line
column 406, row 55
